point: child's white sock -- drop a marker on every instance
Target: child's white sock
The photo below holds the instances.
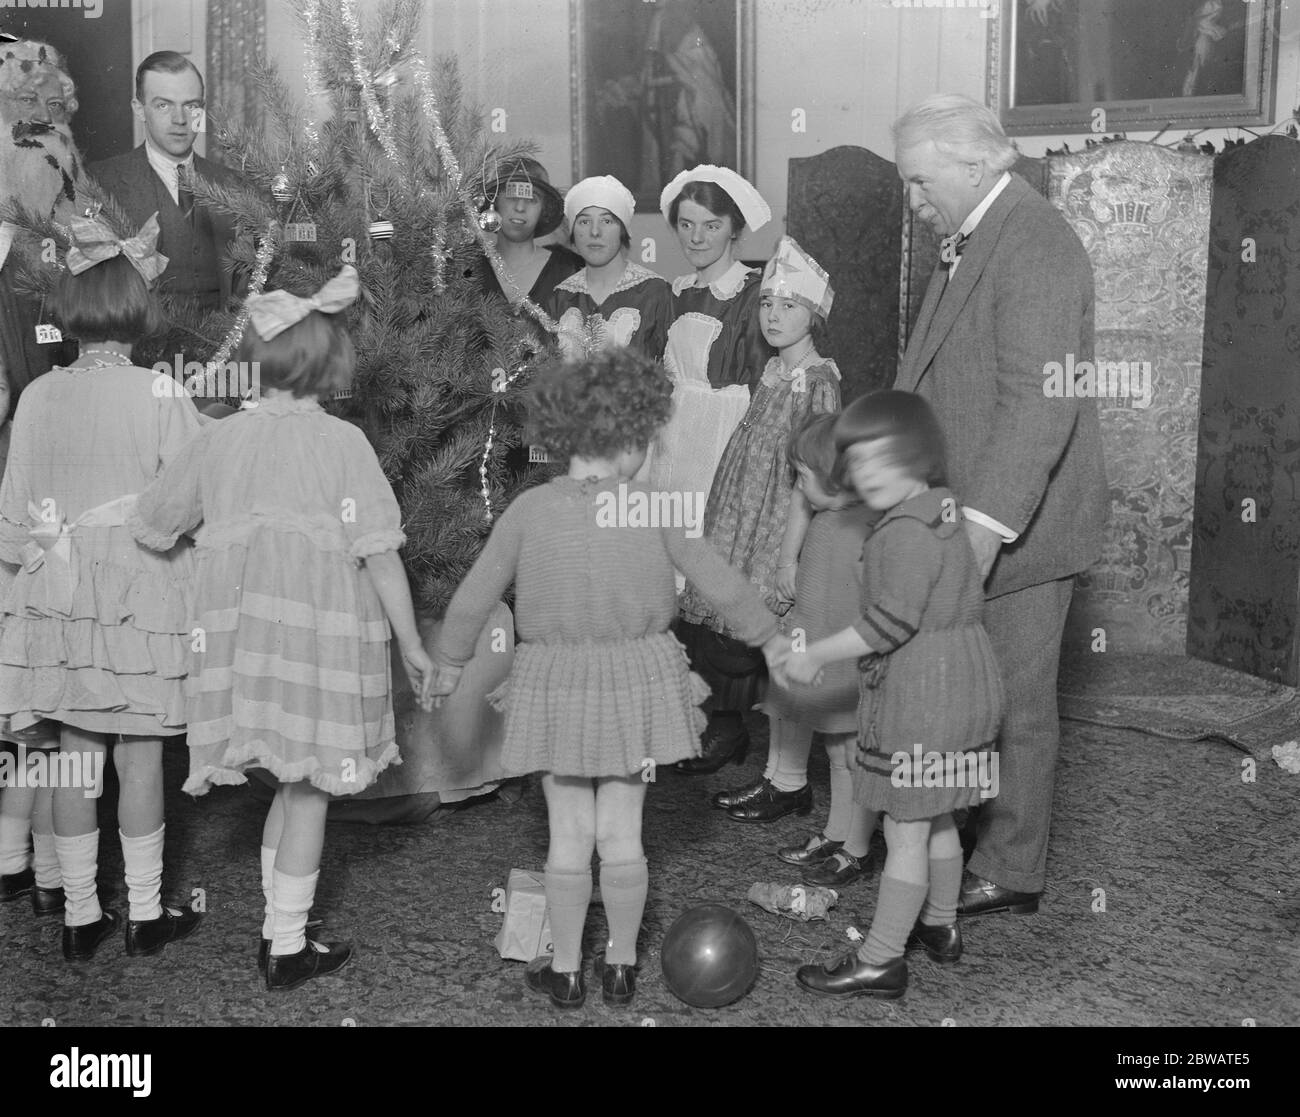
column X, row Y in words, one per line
column 293, row 898
column 142, row 860
column 268, row 880
column 45, row 861
column 14, row 829
column 79, row 864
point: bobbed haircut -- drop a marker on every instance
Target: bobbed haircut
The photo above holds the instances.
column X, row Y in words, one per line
column 164, row 62
column 961, row 128
column 907, row 421
column 812, row 445
column 311, row 358
column 623, row 238
column 713, row 198
column 107, row 302
column 599, row 406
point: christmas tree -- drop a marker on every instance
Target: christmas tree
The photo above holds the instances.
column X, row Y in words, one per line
column 387, row 173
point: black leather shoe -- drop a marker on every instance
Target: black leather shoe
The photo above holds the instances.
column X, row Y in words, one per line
column 817, row 853
column 770, row 804
column 80, row 943
column 617, row 981
column 288, row 971
column 720, row 744
column 566, row 990
column 14, row 886
column 838, row 870
column 149, row 936
column 738, row 796
column 983, row 897
column 942, row 943
column 264, row 949
column 849, row 977
column 47, row 901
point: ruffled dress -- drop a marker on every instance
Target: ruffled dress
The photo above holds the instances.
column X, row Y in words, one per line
column 600, row 687
column 749, row 502
column 291, row 670
column 95, row 629
column 932, row 691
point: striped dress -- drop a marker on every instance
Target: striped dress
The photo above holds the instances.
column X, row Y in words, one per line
column 932, row 691
column 289, row 667
column 599, row 685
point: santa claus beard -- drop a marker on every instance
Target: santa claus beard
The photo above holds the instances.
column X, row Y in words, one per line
column 39, row 167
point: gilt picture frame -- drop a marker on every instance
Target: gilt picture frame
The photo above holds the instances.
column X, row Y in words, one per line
column 1130, row 65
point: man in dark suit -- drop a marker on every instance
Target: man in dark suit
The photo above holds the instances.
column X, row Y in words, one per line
column 158, row 176
column 1013, row 293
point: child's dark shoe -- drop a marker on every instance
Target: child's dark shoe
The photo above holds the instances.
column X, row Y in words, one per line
column 149, row 936
column 80, row 943
column 566, row 990
column 738, row 796
column 316, row 959
column 47, row 901
column 942, row 942
column 771, row 804
column 721, row 742
column 14, row 886
column 617, row 981
column 816, row 851
column 264, row 949
column 840, row 870
column 850, row 977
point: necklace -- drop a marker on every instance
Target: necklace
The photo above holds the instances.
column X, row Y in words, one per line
column 803, row 356
column 122, row 358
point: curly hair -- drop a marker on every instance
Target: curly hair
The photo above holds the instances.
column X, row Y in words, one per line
column 612, row 401
column 26, row 57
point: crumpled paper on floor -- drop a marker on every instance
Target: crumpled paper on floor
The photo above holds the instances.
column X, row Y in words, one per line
column 795, row 901
column 1288, row 757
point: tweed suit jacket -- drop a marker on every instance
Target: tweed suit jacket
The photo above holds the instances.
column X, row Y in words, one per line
column 136, row 187
column 1021, row 297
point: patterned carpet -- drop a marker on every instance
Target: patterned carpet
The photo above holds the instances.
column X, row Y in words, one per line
column 1199, row 870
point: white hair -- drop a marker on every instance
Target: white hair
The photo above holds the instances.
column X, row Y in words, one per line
column 960, row 128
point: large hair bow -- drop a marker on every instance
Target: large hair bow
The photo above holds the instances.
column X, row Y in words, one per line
column 275, row 311
column 93, row 242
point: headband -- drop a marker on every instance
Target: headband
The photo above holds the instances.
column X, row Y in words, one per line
column 93, row 242
column 749, row 201
column 275, row 311
column 604, row 191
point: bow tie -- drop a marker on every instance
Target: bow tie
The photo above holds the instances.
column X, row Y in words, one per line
column 951, row 248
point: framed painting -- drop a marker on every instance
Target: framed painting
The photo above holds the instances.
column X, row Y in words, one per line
column 659, row 86
column 1117, row 65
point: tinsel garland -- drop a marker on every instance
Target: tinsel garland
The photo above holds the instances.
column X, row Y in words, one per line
column 265, row 254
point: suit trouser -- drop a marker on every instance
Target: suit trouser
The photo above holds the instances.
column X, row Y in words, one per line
column 1025, row 628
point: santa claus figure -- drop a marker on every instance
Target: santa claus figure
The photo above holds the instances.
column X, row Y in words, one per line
column 39, row 168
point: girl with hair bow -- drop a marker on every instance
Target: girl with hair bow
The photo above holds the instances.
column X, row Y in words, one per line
column 299, row 580
column 94, row 629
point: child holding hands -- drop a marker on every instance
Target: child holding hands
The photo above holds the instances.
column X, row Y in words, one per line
column 601, row 694
column 298, row 583
column 929, row 688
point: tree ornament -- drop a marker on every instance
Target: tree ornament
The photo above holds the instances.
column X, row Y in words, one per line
column 281, row 191
column 489, row 221
column 381, row 230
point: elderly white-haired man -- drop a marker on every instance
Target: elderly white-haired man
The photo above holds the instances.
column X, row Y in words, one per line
column 1012, row 293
